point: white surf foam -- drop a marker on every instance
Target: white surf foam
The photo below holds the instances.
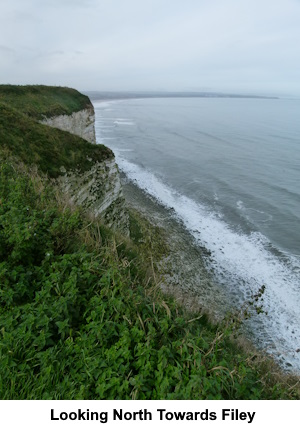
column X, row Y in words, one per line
column 123, row 122
column 240, row 205
column 242, row 262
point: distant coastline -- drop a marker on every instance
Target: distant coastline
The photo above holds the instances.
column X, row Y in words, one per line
column 117, row 95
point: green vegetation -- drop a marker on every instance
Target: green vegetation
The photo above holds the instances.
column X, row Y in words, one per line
column 81, row 318
column 44, row 146
column 40, row 101
column 81, row 312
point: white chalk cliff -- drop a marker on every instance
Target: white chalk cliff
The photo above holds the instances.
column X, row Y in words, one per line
column 98, row 190
column 81, row 123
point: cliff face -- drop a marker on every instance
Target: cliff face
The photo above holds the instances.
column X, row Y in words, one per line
column 99, row 189
column 99, row 192
column 86, row 171
column 80, row 123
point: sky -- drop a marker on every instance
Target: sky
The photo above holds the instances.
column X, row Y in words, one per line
column 237, row 46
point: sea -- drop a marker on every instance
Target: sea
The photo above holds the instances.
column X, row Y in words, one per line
column 227, row 170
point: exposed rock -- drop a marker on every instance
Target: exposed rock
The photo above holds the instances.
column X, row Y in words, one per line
column 99, row 191
column 81, row 123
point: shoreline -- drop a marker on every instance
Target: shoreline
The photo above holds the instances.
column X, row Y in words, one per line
column 185, row 276
column 184, row 272
column 212, row 265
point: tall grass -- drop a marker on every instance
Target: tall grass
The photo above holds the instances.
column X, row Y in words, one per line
column 81, row 316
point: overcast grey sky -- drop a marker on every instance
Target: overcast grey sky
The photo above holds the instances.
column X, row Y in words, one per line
column 194, row 45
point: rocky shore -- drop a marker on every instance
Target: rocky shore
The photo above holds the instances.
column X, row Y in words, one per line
column 183, row 270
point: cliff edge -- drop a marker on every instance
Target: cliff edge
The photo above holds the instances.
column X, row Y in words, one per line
column 53, row 128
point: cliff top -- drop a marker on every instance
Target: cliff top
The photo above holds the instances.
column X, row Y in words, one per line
column 40, row 101
column 48, row 148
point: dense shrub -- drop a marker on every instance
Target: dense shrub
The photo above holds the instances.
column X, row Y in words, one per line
column 76, row 322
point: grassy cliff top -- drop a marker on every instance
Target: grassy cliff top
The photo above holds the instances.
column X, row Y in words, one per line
column 44, row 146
column 40, row 101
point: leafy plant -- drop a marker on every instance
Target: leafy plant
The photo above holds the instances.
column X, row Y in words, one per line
column 76, row 322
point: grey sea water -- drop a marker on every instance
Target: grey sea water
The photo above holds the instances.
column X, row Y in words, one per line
column 230, row 170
